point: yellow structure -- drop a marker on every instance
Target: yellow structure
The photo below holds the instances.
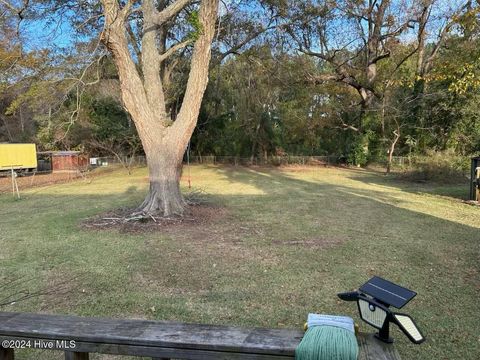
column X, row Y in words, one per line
column 18, row 156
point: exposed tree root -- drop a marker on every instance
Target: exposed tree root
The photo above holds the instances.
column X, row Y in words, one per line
column 139, row 217
column 195, row 198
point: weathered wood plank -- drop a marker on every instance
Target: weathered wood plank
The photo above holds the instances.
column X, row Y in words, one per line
column 143, row 332
column 374, row 349
column 160, row 352
column 69, row 355
column 370, row 349
column 165, row 340
column 6, row 354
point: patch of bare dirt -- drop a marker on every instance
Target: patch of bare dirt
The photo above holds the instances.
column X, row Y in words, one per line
column 25, row 182
column 61, row 290
column 49, row 178
column 122, row 220
column 18, row 289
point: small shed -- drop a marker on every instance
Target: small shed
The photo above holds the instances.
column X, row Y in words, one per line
column 66, row 160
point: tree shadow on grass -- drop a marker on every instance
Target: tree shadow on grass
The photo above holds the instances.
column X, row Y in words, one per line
column 456, row 190
column 347, row 199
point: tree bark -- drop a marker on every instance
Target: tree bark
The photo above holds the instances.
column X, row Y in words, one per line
column 164, row 195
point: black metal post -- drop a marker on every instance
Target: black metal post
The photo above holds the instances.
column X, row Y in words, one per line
column 473, row 178
column 384, row 333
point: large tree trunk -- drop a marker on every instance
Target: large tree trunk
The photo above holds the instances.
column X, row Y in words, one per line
column 164, row 195
column 164, row 142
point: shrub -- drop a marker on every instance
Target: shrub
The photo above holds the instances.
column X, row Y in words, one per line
column 441, row 167
column 357, row 154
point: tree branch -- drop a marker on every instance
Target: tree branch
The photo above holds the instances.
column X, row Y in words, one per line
column 134, row 42
column 9, row 6
column 174, row 48
column 379, row 57
column 252, row 36
column 170, row 11
column 184, row 125
column 19, row 11
column 127, row 9
column 437, row 46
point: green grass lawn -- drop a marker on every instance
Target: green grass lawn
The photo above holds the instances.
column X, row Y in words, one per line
column 285, row 243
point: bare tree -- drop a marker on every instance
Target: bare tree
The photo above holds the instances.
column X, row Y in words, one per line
column 351, row 39
column 164, row 141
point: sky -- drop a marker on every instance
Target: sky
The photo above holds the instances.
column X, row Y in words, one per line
column 50, row 31
column 42, row 33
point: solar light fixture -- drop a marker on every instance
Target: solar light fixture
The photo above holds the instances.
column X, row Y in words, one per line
column 374, row 299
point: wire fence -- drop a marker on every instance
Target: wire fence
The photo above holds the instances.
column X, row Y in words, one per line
column 111, row 160
column 269, row 160
column 326, row 160
column 225, row 160
column 401, row 161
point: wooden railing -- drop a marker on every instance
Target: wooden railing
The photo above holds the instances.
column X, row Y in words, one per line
column 79, row 336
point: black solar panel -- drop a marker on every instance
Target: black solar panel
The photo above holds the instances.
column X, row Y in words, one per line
column 387, row 292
